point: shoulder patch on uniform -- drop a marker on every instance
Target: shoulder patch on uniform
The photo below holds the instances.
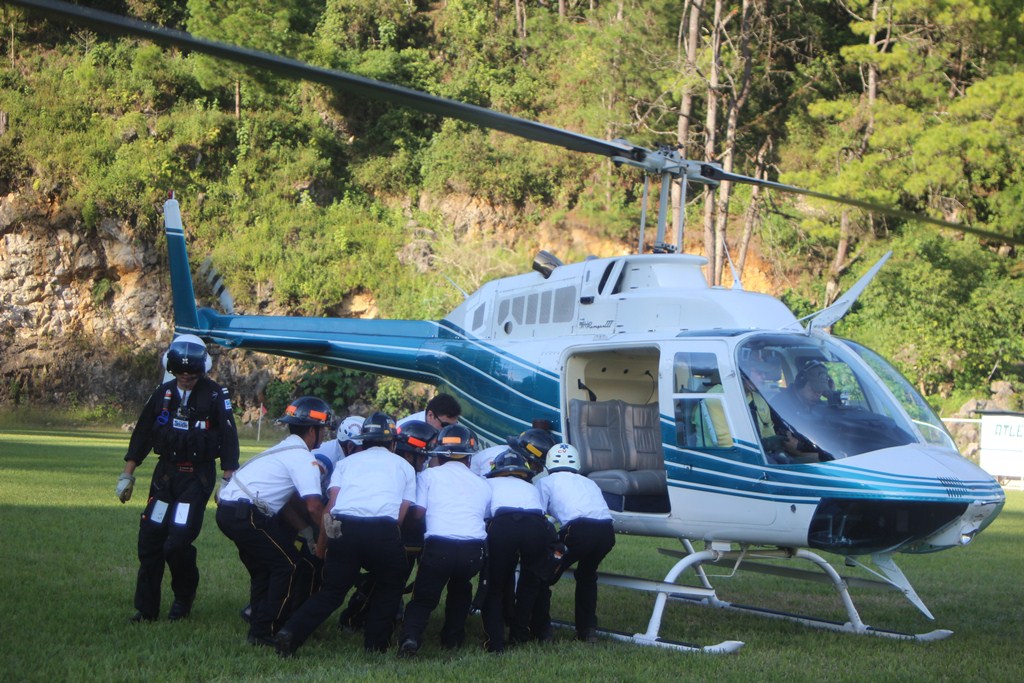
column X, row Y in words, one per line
column 227, row 403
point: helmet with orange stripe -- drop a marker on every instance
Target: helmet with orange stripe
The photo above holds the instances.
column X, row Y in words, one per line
column 415, row 439
column 308, row 411
column 455, row 442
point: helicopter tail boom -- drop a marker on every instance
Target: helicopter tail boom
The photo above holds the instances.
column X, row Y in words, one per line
column 390, row 347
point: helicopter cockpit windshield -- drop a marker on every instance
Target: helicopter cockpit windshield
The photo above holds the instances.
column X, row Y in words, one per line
column 825, row 404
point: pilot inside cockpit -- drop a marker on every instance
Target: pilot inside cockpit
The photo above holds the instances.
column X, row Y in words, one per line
column 812, row 390
column 798, row 379
column 812, row 387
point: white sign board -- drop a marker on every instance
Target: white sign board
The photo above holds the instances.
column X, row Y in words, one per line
column 1002, row 445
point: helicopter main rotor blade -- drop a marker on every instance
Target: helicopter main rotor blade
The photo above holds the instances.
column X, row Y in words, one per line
column 350, row 83
column 716, row 173
column 621, row 151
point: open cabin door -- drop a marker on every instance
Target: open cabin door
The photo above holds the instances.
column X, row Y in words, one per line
column 613, row 418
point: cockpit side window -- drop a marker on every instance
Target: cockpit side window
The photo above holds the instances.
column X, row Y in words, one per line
column 698, row 401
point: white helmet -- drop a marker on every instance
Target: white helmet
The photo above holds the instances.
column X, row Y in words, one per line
column 563, row 456
column 188, row 339
column 350, row 429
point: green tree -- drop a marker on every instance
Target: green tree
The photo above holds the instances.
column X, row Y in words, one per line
column 268, row 26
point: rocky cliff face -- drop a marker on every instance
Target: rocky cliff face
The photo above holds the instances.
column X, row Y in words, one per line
column 75, row 304
column 85, row 314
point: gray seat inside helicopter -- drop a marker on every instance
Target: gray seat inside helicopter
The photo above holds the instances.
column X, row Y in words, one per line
column 621, row 451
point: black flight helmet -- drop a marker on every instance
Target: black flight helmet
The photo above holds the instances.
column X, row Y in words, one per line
column 184, row 356
column 378, row 430
column 510, row 464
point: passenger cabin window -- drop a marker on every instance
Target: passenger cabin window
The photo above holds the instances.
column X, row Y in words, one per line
column 701, row 420
column 556, row 306
column 478, row 317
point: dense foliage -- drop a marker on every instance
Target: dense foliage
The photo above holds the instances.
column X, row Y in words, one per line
column 307, row 197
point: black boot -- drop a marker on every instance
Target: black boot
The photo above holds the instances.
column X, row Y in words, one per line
column 180, row 609
column 284, row 643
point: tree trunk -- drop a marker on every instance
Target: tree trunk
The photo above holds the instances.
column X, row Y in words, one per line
column 752, row 216
column 691, row 18
column 871, row 87
column 238, row 99
column 737, row 97
column 710, row 125
column 839, row 264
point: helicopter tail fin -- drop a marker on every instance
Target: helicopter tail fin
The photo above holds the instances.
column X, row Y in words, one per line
column 186, row 317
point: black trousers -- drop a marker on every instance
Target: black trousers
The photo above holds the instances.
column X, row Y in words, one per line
column 444, row 562
column 354, row 615
column 278, row 574
column 374, row 544
column 178, row 495
column 588, row 542
column 513, row 539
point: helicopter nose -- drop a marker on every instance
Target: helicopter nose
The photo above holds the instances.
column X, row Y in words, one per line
column 852, row 526
column 963, row 530
column 919, row 499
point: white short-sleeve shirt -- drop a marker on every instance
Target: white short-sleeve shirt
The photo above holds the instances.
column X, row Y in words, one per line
column 456, row 501
column 373, row 483
column 567, row 496
column 482, row 461
column 512, row 492
column 275, row 475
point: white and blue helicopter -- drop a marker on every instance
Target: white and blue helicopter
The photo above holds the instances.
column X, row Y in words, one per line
column 658, row 379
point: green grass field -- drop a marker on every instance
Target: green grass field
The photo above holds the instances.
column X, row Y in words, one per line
column 68, row 565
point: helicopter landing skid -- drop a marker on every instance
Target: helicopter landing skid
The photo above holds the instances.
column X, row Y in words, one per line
column 725, row 647
column 707, row 595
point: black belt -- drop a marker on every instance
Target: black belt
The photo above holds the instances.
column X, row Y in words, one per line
column 364, row 520
column 185, row 463
column 454, row 541
column 529, row 512
column 588, row 521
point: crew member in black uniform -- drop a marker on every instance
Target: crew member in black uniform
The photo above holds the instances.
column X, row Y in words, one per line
column 188, row 423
